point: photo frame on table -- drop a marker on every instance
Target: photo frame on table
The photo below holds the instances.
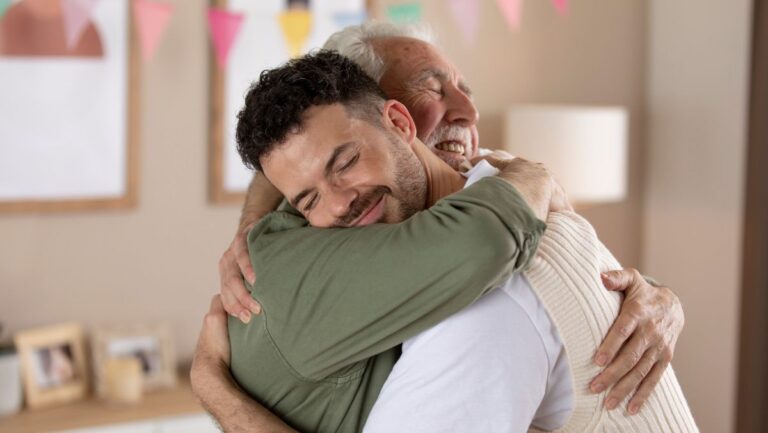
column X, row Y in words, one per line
column 53, row 364
column 271, row 33
column 151, row 345
column 70, row 104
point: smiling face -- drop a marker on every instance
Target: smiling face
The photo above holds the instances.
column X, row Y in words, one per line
column 343, row 171
column 435, row 94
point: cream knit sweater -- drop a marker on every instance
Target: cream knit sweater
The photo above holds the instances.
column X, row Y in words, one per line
column 565, row 274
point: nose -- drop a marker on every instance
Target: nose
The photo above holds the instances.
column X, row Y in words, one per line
column 339, row 201
column 459, row 108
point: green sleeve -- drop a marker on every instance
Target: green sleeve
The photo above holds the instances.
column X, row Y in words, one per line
column 332, row 297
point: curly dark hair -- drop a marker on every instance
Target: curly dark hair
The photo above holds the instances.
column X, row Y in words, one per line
column 275, row 104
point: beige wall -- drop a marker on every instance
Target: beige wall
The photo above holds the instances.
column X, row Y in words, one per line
column 154, row 262
column 697, row 101
column 594, row 56
column 158, row 261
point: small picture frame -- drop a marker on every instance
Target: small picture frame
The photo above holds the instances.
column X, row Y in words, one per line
column 152, row 345
column 54, row 365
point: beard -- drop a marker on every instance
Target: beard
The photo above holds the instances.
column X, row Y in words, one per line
column 411, row 180
column 409, row 192
column 447, row 133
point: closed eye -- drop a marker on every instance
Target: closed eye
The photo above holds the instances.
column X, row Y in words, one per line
column 349, row 163
column 310, row 203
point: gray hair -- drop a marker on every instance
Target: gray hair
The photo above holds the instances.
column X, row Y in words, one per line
column 355, row 42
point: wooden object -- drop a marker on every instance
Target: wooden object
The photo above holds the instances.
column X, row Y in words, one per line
column 67, row 342
column 93, row 412
column 132, row 125
column 122, row 380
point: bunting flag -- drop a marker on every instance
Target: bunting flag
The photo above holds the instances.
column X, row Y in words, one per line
column 512, row 11
column 296, row 25
column 77, row 15
column 466, row 13
column 346, row 19
column 151, row 20
column 561, row 6
column 224, row 27
column 4, row 5
column 405, row 13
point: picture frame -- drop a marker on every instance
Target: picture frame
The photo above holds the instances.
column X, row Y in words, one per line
column 152, row 345
column 260, row 45
column 53, row 364
column 85, row 156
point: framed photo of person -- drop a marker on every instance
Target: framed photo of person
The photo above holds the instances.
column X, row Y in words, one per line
column 272, row 32
column 151, row 345
column 53, row 363
column 70, row 100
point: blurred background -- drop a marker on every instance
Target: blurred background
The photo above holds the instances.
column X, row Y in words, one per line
column 680, row 72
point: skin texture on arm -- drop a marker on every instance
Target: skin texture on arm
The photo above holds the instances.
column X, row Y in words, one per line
column 235, row 265
column 216, row 389
column 260, row 199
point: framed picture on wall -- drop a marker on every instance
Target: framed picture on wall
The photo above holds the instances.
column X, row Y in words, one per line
column 151, row 345
column 272, row 32
column 69, row 106
column 54, row 366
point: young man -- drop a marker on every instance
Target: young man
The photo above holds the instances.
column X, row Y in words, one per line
column 409, row 68
column 318, row 356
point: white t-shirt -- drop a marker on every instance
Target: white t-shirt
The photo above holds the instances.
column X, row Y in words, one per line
column 496, row 366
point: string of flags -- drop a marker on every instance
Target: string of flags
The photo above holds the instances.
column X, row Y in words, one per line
column 151, row 18
column 466, row 14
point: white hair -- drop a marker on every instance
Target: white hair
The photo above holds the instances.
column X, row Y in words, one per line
column 356, row 42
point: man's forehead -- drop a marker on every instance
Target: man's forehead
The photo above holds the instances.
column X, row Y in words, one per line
column 413, row 59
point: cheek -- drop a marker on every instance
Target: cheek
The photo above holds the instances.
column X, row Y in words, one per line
column 427, row 115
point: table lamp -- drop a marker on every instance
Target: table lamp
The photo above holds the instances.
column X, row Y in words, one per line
column 584, row 147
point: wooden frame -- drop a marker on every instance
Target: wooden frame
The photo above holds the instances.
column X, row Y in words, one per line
column 217, row 191
column 130, row 197
column 67, row 342
column 159, row 361
column 752, row 407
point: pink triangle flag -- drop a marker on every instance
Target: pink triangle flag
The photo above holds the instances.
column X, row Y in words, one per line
column 224, row 27
column 512, row 11
column 466, row 13
column 561, row 6
column 151, row 20
column 77, row 15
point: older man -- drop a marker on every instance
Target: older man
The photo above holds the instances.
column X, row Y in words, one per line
column 322, row 351
column 413, row 71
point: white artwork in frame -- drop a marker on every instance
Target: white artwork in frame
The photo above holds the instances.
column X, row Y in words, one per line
column 260, row 45
column 69, row 122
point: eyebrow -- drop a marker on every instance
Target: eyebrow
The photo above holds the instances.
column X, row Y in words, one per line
column 430, row 73
column 441, row 75
column 340, row 149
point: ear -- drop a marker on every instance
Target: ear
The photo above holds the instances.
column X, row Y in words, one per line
column 397, row 117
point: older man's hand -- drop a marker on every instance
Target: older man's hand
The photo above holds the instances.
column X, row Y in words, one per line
column 641, row 342
column 234, row 265
column 532, row 180
column 212, row 355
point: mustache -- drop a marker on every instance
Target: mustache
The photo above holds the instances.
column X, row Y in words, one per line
column 449, row 132
column 360, row 205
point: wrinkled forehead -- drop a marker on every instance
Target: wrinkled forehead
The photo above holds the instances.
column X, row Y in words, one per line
column 406, row 59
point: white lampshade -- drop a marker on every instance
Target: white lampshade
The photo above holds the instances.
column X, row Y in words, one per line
column 584, row 147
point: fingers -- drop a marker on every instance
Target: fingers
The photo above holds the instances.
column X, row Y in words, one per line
column 630, row 381
column 619, row 333
column 240, row 250
column 647, row 387
column 627, row 359
column 216, row 306
column 620, row 279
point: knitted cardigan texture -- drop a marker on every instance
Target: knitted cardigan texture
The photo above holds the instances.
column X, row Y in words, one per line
column 565, row 274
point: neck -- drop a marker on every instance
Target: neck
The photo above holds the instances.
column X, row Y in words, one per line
column 442, row 180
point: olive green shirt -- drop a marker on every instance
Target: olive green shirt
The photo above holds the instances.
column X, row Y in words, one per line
column 338, row 302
